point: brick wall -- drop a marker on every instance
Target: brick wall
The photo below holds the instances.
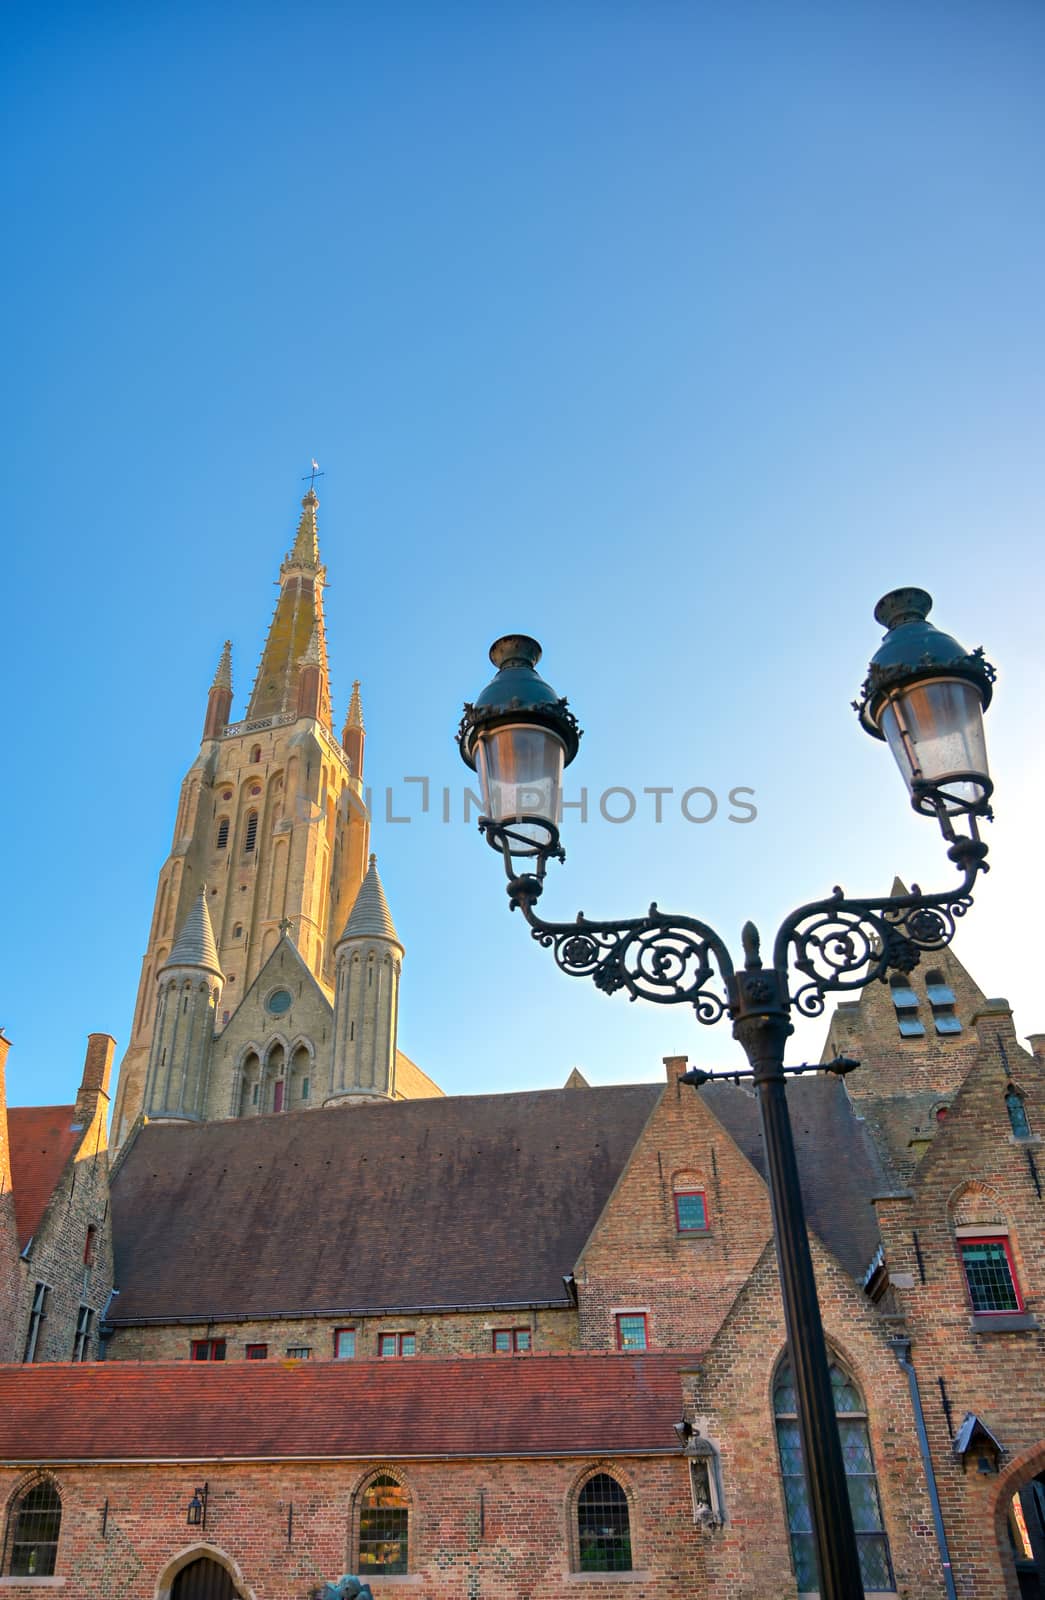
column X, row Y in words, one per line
column 10, row 1269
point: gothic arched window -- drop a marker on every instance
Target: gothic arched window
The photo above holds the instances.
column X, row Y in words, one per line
column 255, row 755
column 384, row 1526
column 36, row 1520
column 871, row 1542
column 1015, row 1106
column 603, row 1526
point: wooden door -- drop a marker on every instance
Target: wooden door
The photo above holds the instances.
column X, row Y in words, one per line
column 203, row 1579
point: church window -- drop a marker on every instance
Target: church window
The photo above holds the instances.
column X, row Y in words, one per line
column 603, row 1526
column 37, row 1316
column 397, row 1344
column 279, row 1000
column 511, row 1341
column 257, row 1352
column 251, row 838
column 906, row 1002
column 35, row 1524
column 304, row 1088
column 941, row 998
column 299, row 1352
column 255, row 755
column 1015, row 1106
column 237, row 932
column 990, row 1275
column 207, row 1350
column 631, row 1330
column 82, row 1340
column 221, row 842
column 384, row 1527
column 691, row 1211
column 344, row 1344
column 871, row 1542
column 254, row 1095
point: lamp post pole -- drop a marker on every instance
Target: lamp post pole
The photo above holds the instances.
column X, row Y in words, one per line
column 923, row 694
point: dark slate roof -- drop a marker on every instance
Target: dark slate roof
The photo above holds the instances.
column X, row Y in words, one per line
column 583, row 1404
column 42, row 1138
column 839, row 1167
column 479, row 1200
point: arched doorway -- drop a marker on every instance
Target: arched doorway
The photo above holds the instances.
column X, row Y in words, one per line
column 1027, row 1537
column 203, row 1579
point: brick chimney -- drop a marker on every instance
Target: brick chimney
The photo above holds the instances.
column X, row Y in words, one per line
column 1037, row 1044
column 96, row 1069
column 675, row 1066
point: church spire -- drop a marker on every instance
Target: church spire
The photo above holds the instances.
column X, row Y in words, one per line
column 296, row 639
column 353, row 734
column 219, row 700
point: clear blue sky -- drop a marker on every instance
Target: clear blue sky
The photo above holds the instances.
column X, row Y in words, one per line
column 674, row 334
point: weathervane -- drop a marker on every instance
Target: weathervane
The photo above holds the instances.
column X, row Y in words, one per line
column 313, row 475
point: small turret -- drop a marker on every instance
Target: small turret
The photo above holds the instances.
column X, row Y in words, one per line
column 219, row 700
column 190, row 985
column 368, row 961
column 353, row 734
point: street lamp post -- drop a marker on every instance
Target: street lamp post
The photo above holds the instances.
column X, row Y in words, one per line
column 925, row 696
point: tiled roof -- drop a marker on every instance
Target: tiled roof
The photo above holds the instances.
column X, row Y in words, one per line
column 200, row 1411
column 838, row 1164
column 42, row 1140
column 476, row 1200
column 370, row 917
column 194, row 946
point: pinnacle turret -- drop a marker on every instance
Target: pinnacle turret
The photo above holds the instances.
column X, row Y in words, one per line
column 195, row 946
column 223, row 676
column 370, row 917
column 305, row 551
column 354, row 719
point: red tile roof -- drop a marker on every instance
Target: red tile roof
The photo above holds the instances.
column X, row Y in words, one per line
column 583, row 1404
column 42, row 1140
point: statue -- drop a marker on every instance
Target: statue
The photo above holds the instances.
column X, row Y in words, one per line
column 346, row 1588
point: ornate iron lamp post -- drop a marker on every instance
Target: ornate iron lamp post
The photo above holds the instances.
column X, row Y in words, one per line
column 925, row 696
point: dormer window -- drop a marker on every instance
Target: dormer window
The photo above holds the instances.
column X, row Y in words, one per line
column 1014, row 1105
column 906, row 1002
column 941, row 997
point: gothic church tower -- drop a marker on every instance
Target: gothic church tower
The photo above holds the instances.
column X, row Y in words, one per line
column 271, row 835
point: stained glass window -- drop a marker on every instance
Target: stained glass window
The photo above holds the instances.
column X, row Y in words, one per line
column 603, row 1527
column 1017, row 1114
column 384, row 1526
column 871, row 1541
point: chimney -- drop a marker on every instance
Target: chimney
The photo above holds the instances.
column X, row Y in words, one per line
column 1035, row 1040
column 675, row 1066
column 96, row 1069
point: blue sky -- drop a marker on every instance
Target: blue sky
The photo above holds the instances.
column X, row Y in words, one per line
column 674, row 334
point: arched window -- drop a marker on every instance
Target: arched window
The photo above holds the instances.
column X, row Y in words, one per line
column 603, row 1526
column 871, row 1542
column 251, row 838
column 1014, row 1105
column 255, row 754
column 36, row 1519
column 222, row 840
column 384, row 1527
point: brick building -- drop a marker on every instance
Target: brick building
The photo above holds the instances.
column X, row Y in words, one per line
column 317, row 1318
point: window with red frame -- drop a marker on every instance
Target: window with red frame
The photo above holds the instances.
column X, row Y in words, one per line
column 990, row 1275
column 208, row 1349
column 397, row 1344
column 512, row 1341
column 344, row 1344
column 257, row 1352
column 691, row 1211
column 631, row 1330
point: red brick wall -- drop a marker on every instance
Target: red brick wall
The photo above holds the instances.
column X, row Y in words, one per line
column 10, row 1270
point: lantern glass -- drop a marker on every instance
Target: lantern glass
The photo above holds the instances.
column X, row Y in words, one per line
column 935, row 732
column 520, row 771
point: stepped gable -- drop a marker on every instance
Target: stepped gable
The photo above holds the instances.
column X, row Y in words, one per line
column 42, row 1138
column 478, row 1200
column 590, row 1404
column 839, row 1167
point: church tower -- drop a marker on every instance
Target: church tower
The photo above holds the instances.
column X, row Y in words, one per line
column 366, row 1005
column 271, row 819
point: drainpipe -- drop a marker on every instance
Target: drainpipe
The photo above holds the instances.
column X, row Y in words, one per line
column 902, row 1351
